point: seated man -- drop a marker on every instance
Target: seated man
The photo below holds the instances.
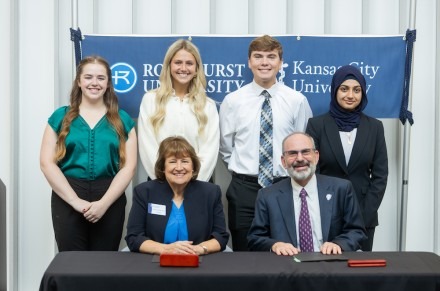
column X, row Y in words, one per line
column 309, row 212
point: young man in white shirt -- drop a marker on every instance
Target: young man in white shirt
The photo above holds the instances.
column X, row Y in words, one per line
column 240, row 120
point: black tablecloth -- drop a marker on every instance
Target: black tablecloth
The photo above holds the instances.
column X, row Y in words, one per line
column 83, row 271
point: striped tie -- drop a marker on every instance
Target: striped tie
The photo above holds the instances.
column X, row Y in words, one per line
column 265, row 169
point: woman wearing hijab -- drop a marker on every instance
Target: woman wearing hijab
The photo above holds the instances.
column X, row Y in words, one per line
column 352, row 144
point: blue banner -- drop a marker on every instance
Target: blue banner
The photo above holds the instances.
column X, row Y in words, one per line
column 308, row 65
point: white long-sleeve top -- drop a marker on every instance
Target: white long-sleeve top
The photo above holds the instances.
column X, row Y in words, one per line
column 240, row 125
column 179, row 121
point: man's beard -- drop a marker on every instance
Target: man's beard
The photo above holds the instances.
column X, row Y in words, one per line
column 301, row 175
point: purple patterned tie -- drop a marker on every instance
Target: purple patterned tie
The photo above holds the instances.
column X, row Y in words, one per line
column 305, row 228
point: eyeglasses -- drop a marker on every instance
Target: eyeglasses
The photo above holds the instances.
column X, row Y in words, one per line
column 294, row 154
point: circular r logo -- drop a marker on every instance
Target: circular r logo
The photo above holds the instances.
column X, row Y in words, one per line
column 124, row 77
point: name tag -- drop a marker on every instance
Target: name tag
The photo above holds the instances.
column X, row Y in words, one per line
column 156, row 209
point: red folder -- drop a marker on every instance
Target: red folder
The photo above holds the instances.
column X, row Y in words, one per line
column 367, row 263
column 179, row 260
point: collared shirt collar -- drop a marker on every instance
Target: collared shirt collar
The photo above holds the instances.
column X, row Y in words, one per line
column 185, row 98
column 258, row 89
column 310, row 187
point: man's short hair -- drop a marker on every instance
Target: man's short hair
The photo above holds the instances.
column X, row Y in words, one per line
column 265, row 43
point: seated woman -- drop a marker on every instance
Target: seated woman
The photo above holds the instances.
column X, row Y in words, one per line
column 176, row 213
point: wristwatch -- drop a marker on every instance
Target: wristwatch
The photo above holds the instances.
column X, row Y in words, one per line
column 205, row 249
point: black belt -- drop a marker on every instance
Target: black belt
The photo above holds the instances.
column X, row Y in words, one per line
column 254, row 179
column 246, row 178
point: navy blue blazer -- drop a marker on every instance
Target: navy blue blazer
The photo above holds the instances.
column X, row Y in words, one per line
column 367, row 168
column 203, row 209
column 274, row 221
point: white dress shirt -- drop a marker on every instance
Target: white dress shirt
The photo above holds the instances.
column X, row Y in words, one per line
column 314, row 210
column 347, row 140
column 180, row 120
column 240, row 125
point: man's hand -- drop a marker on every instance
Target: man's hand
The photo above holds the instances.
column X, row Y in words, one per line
column 284, row 249
column 329, row 248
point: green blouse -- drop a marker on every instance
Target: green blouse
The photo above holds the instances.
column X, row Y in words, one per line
column 90, row 153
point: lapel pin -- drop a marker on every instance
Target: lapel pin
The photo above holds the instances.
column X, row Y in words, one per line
column 328, row 196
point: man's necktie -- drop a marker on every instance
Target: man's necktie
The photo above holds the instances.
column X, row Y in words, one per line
column 265, row 169
column 305, row 228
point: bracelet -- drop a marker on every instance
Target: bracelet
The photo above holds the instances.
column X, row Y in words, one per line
column 205, row 249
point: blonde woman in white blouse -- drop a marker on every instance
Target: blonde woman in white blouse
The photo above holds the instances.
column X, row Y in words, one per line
column 180, row 107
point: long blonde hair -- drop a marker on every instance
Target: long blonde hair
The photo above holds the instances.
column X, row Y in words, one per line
column 110, row 101
column 196, row 90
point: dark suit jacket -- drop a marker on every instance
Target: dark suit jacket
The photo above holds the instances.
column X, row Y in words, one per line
column 274, row 221
column 203, row 209
column 368, row 166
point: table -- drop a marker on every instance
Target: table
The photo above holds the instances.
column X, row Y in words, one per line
column 83, row 271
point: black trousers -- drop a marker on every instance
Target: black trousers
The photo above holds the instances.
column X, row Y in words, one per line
column 367, row 245
column 241, row 197
column 74, row 233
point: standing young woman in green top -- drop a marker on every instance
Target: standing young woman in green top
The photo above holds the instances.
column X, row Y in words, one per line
column 88, row 156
